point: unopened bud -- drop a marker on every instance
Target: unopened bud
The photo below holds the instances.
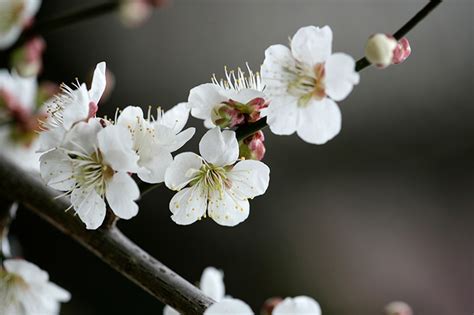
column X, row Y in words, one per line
column 398, row 308
column 256, row 105
column 253, row 147
column 135, row 12
column 226, row 115
column 27, row 60
column 269, row 305
column 383, row 50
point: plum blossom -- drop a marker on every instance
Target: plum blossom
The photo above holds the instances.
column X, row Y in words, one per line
column 383, row 50
column 71, row 106
column 211, row 284
column 304, row 81
column 154, row 139
column 300, row 305
column 19, row 119
column 15, row 15
column 92, row 166
column 229, row 102
column 26, row 289
column 215, row 183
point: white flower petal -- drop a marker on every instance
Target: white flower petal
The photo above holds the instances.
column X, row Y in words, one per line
column 188, row 205
column 176, row 117
column 98, row 83
column 243, row 96
column 219, row 147
column 229, row 306
column 153, row 170
column 57, row 170
column 28, row 271
column 56, row 292
column 208, row 123
column 182, row 169
column 50, row 139
column 340, row 76
column 249, row 178
column 212, row 283
column 78, row 108
column 168, row 310
column 9, row 38
column 203, row 98
column 226, row 208
column 89, row 206
column 282, row 115
column 121, row 193
column 116, row 146
column 130, row 116
column 167, row 137
column 278, row 60
column 312, row 45
column 82, row 137
column 319, row 121
column 300, row 305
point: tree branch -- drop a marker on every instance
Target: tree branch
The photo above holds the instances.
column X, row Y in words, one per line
column 361, row 64
column 107, row 243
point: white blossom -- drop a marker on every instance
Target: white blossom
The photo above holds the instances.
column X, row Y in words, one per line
column 211, row 284
column 18, row 119
column 215, row 182
column 14, row 16
column 26, row 289
column 154, row 139
column 207, row 98
column 92, row 166
column 71, row 106
column 303, row 84
column 300, row 305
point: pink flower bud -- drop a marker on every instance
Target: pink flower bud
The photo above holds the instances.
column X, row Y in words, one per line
column 227, row 115
column 252, row 147
column 27, row 59
column 402, row 51
column 269, row 305
column 398, row 308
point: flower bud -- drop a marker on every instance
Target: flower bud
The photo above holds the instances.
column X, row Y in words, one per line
column 226, row 115
column 269, row 305
column 27, row 59
column 135, row 12
column 383, row 50
column 255, row 106
column 252, row 147
column 398, row 308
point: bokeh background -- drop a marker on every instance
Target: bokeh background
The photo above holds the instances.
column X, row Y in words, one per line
column 383, row 212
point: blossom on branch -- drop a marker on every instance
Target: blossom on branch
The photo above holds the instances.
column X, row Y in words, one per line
column 70, row 107
column 383, row 50
column 236, row 100
column 92, row 165
column 15, row 15
column 26, row 289
column 304, row 81
column 215, row 183
column 154, row 139
column 211, row 284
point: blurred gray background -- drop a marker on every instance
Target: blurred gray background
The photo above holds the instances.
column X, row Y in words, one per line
column 383, row 212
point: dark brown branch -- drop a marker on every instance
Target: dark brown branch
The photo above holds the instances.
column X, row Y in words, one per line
column 108, row 243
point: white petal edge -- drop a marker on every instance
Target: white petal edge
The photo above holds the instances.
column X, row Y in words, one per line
column 340, row 76
column 121, row 193
column 115, row 143
column 212, row 283
column 182, row 169
column 188, row 205
column 300, row 305
column 249, row 178
column 89, row 206
column 312, row 45
column 98, row 83
column 229, row 306
column 219, row 147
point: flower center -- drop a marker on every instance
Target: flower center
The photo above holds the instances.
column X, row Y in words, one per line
column 308, row 83
column 211, row 177
column 92, row 172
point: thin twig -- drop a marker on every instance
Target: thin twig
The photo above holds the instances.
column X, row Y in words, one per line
column 361, row 64
column 107, row 243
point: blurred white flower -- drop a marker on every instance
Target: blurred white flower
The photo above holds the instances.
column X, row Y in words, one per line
column 211, row 284
column 303, row 83
column 398, row 308
column 214, row 183
column 134, row 13
column 300, row 305
column 14, row 16
column 19, row 119
column 154, row 139
column 26, row 289
column 69, row 107
column 228, row 102
column 93, row 164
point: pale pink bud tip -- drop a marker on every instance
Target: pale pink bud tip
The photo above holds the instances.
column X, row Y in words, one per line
column 402, row 51
column 92, row 109
column 398, row 308
column 253, row 147
column 269, row 305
